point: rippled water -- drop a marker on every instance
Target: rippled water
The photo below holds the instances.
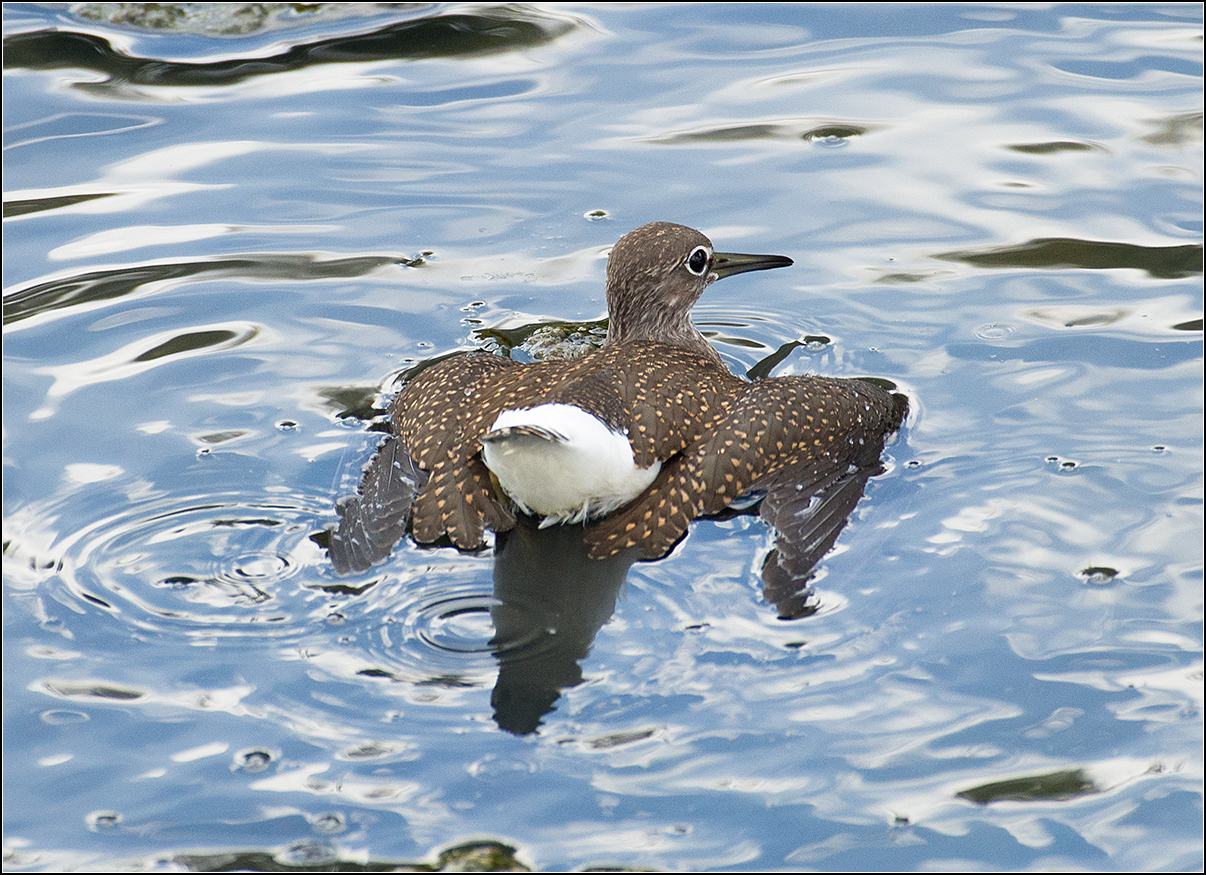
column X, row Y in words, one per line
column 225, row 239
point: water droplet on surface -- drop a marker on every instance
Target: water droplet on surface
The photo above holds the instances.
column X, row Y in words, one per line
column 993, row 331
column 1099, row 575
column 329, row 823
column 98, row 821
column 252, row 761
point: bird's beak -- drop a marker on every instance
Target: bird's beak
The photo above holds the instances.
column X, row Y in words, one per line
column 728, row 263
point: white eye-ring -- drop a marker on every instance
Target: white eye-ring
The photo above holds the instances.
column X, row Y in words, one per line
column 698, row 260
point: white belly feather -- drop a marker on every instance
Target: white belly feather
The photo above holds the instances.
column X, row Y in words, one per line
column 559, row 462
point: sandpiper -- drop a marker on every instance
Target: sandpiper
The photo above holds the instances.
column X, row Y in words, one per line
column 636, row 439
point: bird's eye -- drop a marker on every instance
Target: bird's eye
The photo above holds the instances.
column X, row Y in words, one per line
column 697, row 261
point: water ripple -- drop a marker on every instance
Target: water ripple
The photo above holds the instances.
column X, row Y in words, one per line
column 181, row 562
column 439, row 629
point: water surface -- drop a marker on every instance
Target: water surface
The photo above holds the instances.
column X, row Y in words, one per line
column 222, row 248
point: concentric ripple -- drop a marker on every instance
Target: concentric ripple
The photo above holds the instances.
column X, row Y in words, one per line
column 460, row 624
column 202, row 564
column 441, row 627
column 201, row 567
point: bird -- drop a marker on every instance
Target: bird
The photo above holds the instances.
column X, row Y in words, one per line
column 634, row 441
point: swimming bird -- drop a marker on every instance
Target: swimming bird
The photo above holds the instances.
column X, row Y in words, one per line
column 636, row 439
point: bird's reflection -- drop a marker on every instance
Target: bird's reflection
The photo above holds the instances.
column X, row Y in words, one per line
column 551, row 600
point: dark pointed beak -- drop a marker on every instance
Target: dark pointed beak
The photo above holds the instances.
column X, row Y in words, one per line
column 728, row 263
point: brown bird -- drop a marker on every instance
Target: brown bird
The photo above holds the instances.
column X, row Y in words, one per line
column 636, row 439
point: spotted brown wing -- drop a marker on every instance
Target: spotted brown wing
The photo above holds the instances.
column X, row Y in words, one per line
column 432, row 411
column 434, row 416
column 672, row 396
column 812, row 427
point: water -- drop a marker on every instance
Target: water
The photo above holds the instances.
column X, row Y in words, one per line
column 220, row 252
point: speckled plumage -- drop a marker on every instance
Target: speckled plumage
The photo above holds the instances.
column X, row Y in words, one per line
column 664, row 395
column 716, row 434
column 792, row 425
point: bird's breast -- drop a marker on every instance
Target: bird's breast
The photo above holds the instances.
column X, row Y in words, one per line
column 559, row 462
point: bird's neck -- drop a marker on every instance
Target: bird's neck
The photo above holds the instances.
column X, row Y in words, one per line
column 640, row 318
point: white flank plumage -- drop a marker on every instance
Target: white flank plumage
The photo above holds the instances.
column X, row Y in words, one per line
column 559, row 462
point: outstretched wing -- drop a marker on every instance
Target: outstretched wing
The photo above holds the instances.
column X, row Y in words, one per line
column 372, row 522
column 807, row 510
column 812, row 426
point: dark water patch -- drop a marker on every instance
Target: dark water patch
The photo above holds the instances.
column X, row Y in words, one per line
column 351, row 402
column 1099, row 575
column 830, row 133
column 1082, row 320
column 899, row 278
column 16, row 208
column 473, row 856
column 1178, row 130
column 193, row 340
column 96, row 600
column 1161, row 262
column 221, row 437
column 447, row 681
column 448, row 35
column 723, row 135
column 1054, row 148
column 769, row 131
column 618, row 739
column 1051, row 787
column 95, row 690
column 103, row 285
column 372, row 750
